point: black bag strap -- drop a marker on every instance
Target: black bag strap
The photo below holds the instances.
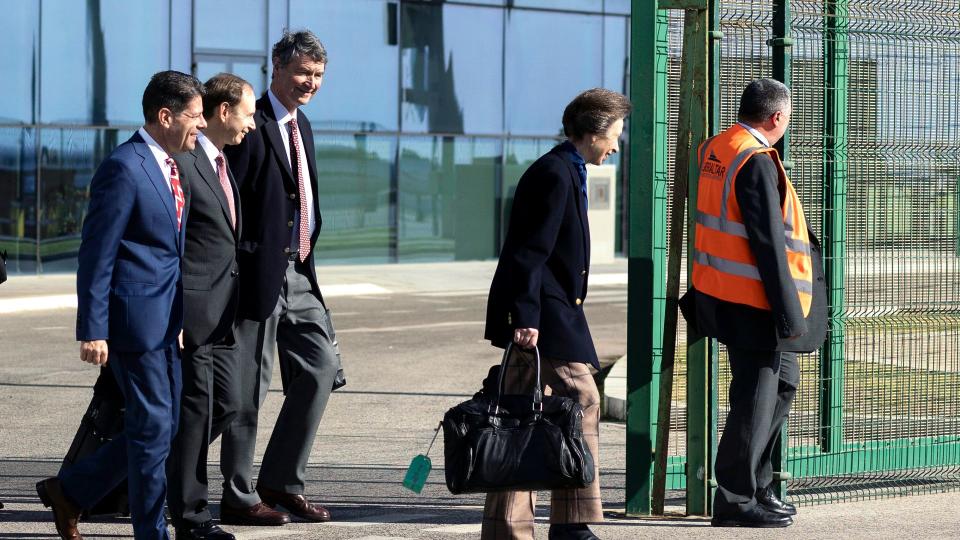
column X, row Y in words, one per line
column 537, row 389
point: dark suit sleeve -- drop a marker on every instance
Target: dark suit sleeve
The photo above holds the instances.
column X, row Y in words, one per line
column 538, row 210
column 759, row 199
column 112, row 196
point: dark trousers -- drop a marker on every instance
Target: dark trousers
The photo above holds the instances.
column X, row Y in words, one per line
column 150, row 382
column 308, row 364
column 761, row 391
column 211, row 394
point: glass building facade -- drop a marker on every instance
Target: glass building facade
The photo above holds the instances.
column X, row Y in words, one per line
column 429, row 112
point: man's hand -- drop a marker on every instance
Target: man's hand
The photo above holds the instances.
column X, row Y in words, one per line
column 94, row 352
column 526, row 337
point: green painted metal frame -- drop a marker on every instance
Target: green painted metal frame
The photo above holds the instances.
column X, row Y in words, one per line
column 782, row 43
column 646, row 262
column 836, row 54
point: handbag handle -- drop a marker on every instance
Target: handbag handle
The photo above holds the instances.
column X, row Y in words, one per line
column 537, row 390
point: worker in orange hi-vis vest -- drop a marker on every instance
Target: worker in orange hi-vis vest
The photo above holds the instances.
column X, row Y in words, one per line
column 757, row 287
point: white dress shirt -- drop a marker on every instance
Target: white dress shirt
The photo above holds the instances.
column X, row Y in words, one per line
column 763, row 140
column 160, row 154
column 283, row 118
column 210, row 150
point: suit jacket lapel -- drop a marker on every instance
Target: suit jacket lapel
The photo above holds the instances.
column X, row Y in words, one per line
column 271, row 130
column 152, row 169
column 202, row 163
column 581, row 204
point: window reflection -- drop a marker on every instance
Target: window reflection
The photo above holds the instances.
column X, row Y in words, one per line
column 552, row 58
column 68, row 160
column 16, row 84
column 18, row 198
column 354, row 174
column 579, row 5
column 452, row 78
column 245, row 29
column 97, row 56
column 359, row 90
column 447, row 200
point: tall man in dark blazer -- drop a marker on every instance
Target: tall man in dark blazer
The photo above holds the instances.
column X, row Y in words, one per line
column 130, row 307
column 758, row 288
column 280, row 301
column 536, row 300
column 211, row 383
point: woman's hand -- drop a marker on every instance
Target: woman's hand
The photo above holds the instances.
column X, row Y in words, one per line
column 526, row 337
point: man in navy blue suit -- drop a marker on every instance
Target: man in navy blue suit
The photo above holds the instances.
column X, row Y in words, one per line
column 130, row 307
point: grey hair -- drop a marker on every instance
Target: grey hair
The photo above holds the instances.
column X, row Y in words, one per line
column 302, row 43
column 761, row 99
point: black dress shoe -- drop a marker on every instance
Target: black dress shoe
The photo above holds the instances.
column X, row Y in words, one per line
column 205, row 531
column 758, row 516
column 571, row 531
column 769, row 499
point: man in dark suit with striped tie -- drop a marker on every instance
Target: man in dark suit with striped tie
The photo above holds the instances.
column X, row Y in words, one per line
column 211, row 383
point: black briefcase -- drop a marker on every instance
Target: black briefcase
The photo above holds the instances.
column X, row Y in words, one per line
column 102, row 421
column 497, row 442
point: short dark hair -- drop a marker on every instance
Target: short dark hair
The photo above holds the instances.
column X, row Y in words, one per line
column 222, row 88
column 295, row 44
column 169, row 90
column 761, row 99
column 593, row 111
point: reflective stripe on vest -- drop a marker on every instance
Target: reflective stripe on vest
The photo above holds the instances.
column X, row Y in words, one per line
column 723, row 264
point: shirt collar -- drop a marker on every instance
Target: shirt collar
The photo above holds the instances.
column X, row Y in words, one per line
column 575, row 156
column 209, row 148
column 755, row 133
column 158, row 152
column 281, row 112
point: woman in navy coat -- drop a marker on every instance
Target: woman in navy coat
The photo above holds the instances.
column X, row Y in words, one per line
column 536, row 300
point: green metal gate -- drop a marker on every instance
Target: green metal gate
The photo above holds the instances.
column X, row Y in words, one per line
column 874, row 150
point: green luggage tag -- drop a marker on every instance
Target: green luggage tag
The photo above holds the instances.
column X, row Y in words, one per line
column 420, row 467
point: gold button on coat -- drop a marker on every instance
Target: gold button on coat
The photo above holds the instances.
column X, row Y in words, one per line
column 579, row 301
column 290, row 224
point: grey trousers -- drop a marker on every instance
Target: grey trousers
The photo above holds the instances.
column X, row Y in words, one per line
column 309, row 364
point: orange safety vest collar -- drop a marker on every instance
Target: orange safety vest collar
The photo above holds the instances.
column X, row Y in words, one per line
column 723, row 264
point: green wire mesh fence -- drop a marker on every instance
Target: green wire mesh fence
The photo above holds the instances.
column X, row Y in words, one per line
column 878, row 410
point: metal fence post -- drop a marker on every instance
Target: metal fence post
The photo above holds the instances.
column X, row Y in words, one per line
column 782, row 44
column 647, row 266
column 836, row 54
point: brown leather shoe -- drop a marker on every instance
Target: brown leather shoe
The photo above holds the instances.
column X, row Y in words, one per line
column 298, row 505
column 259, row 515
column 65, row 513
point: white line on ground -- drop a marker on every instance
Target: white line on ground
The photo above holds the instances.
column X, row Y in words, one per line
column 38, row 303
column 607, row 279
column 255, row 535
column 470, row 528
column 381, row 519
column 352, row 289
column 408, row 327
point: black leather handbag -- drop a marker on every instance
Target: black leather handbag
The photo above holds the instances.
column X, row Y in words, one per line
column 497, row 442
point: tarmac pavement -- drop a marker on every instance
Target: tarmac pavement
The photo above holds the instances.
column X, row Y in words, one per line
column 411, row 336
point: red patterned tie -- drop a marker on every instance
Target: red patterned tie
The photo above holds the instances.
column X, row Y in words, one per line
column 176, row 189
column 304, row 244
column 227, row 190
